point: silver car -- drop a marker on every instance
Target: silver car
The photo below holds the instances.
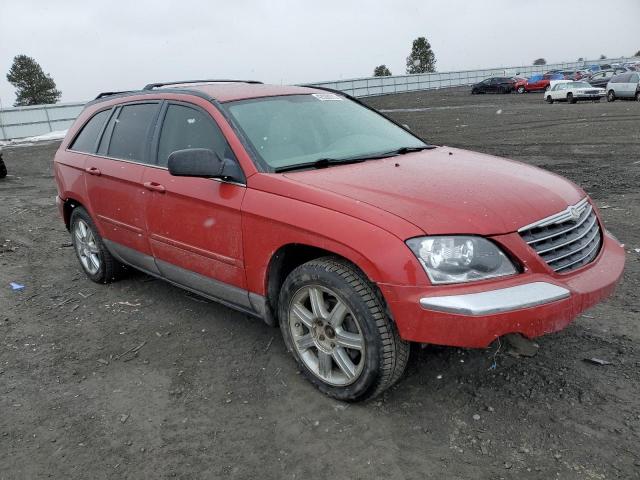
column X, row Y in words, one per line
column 625, row 85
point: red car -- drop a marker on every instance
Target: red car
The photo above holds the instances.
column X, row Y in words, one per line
column 312, row 211
column 535, row 83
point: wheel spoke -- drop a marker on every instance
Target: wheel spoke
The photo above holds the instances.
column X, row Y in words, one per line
column 95, row 261
column 304, row 342
column 93, row 248
column 337, row 314
column 83, row 230
column 349, row 340
column 344, row 362
column 324, row 364
column 78, row 235
column 317, row 303
column 302, row 314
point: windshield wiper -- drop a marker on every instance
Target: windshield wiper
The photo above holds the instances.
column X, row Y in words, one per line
column 403, row 150
column 320, row 163
column 327, row 162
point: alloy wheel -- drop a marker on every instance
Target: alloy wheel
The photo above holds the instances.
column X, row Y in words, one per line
column 86, row 247
column 326, row 335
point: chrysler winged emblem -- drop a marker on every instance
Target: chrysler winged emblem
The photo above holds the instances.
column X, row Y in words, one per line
column 574, row 212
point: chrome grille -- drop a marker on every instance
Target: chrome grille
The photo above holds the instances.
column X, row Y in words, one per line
column 566, row 240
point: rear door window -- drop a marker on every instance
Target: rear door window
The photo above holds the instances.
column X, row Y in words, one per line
column 87, row 140
column 129, row 132
column 186, row 127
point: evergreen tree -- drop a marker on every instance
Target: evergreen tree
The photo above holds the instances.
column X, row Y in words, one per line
column 539, row 61
column 381, row 71
column 422, row 59
column 603, row 57
column 637, row 54
column 33, row 86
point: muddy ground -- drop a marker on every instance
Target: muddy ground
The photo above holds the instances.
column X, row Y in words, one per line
column 212, row 393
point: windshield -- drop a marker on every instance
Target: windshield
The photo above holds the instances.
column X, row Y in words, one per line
column 297, row 129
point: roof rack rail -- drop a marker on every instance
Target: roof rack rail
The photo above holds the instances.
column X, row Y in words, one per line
column 151, row 86
column 108, row 94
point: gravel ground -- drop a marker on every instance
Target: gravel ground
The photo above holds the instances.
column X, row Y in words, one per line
column 211, row 393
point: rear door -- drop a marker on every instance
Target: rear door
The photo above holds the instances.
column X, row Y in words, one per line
column 194, row 224
column 114, row 181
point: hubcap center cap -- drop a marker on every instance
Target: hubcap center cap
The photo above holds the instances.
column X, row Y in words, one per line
column 324, row 336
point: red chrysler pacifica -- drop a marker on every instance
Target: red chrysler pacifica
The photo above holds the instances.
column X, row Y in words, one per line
column 310, row 210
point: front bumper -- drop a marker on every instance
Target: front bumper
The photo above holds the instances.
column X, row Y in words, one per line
column 589, row 96
column 533, row 303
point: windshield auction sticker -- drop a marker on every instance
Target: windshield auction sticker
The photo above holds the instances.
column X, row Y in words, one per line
column 327, row 96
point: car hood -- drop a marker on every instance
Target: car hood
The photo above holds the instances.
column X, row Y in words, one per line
column 447, row 190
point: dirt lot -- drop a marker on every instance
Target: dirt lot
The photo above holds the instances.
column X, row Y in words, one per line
column 213, row 394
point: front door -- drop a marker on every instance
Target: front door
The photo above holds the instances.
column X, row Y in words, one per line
column 194, row 224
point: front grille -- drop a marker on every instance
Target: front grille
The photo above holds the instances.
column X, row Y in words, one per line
column 566, row 240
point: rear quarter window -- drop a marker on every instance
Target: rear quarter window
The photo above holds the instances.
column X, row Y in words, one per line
column 87, row 139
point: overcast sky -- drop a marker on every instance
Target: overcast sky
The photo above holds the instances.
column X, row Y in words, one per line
column 90, row 46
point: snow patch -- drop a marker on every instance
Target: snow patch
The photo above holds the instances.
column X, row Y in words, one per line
column 55, row 135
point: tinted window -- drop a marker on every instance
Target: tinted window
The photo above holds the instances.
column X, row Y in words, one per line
column 130, row 130
column 186, row 127
column 635, row 78
column 86, row 141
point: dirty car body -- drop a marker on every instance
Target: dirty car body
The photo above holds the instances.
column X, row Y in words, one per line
column 313, row 211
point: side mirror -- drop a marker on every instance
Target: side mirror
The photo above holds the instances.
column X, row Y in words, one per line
column 202, row 162
column 194, row 162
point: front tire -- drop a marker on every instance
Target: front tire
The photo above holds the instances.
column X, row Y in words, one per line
column 637, row 96
column 334, row 324
column 521, row 90
column 549, row 99
column 570, row 98
column 96, row 261
column 611, row 96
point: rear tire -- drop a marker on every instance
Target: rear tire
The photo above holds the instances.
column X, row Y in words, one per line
column 637, row 96
column 521, row 90
column 96, row 261
column 611, row 96
column 3, row 168
column 334, row 323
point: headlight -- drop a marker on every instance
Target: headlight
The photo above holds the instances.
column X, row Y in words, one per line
column 460, row 259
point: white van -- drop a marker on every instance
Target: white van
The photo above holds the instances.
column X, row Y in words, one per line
column 625, row 85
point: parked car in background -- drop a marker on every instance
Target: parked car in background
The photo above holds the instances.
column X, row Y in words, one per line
column 310, row 210
column 624, row 85
column 494, row 85
column 537, row 83
column 572, row 91
column 570, row 74
column 601, row 78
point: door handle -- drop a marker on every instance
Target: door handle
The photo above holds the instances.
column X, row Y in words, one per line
column 93, row 171
column 154, row 187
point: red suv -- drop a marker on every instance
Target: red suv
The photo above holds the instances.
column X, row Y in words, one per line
column 310, row 210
